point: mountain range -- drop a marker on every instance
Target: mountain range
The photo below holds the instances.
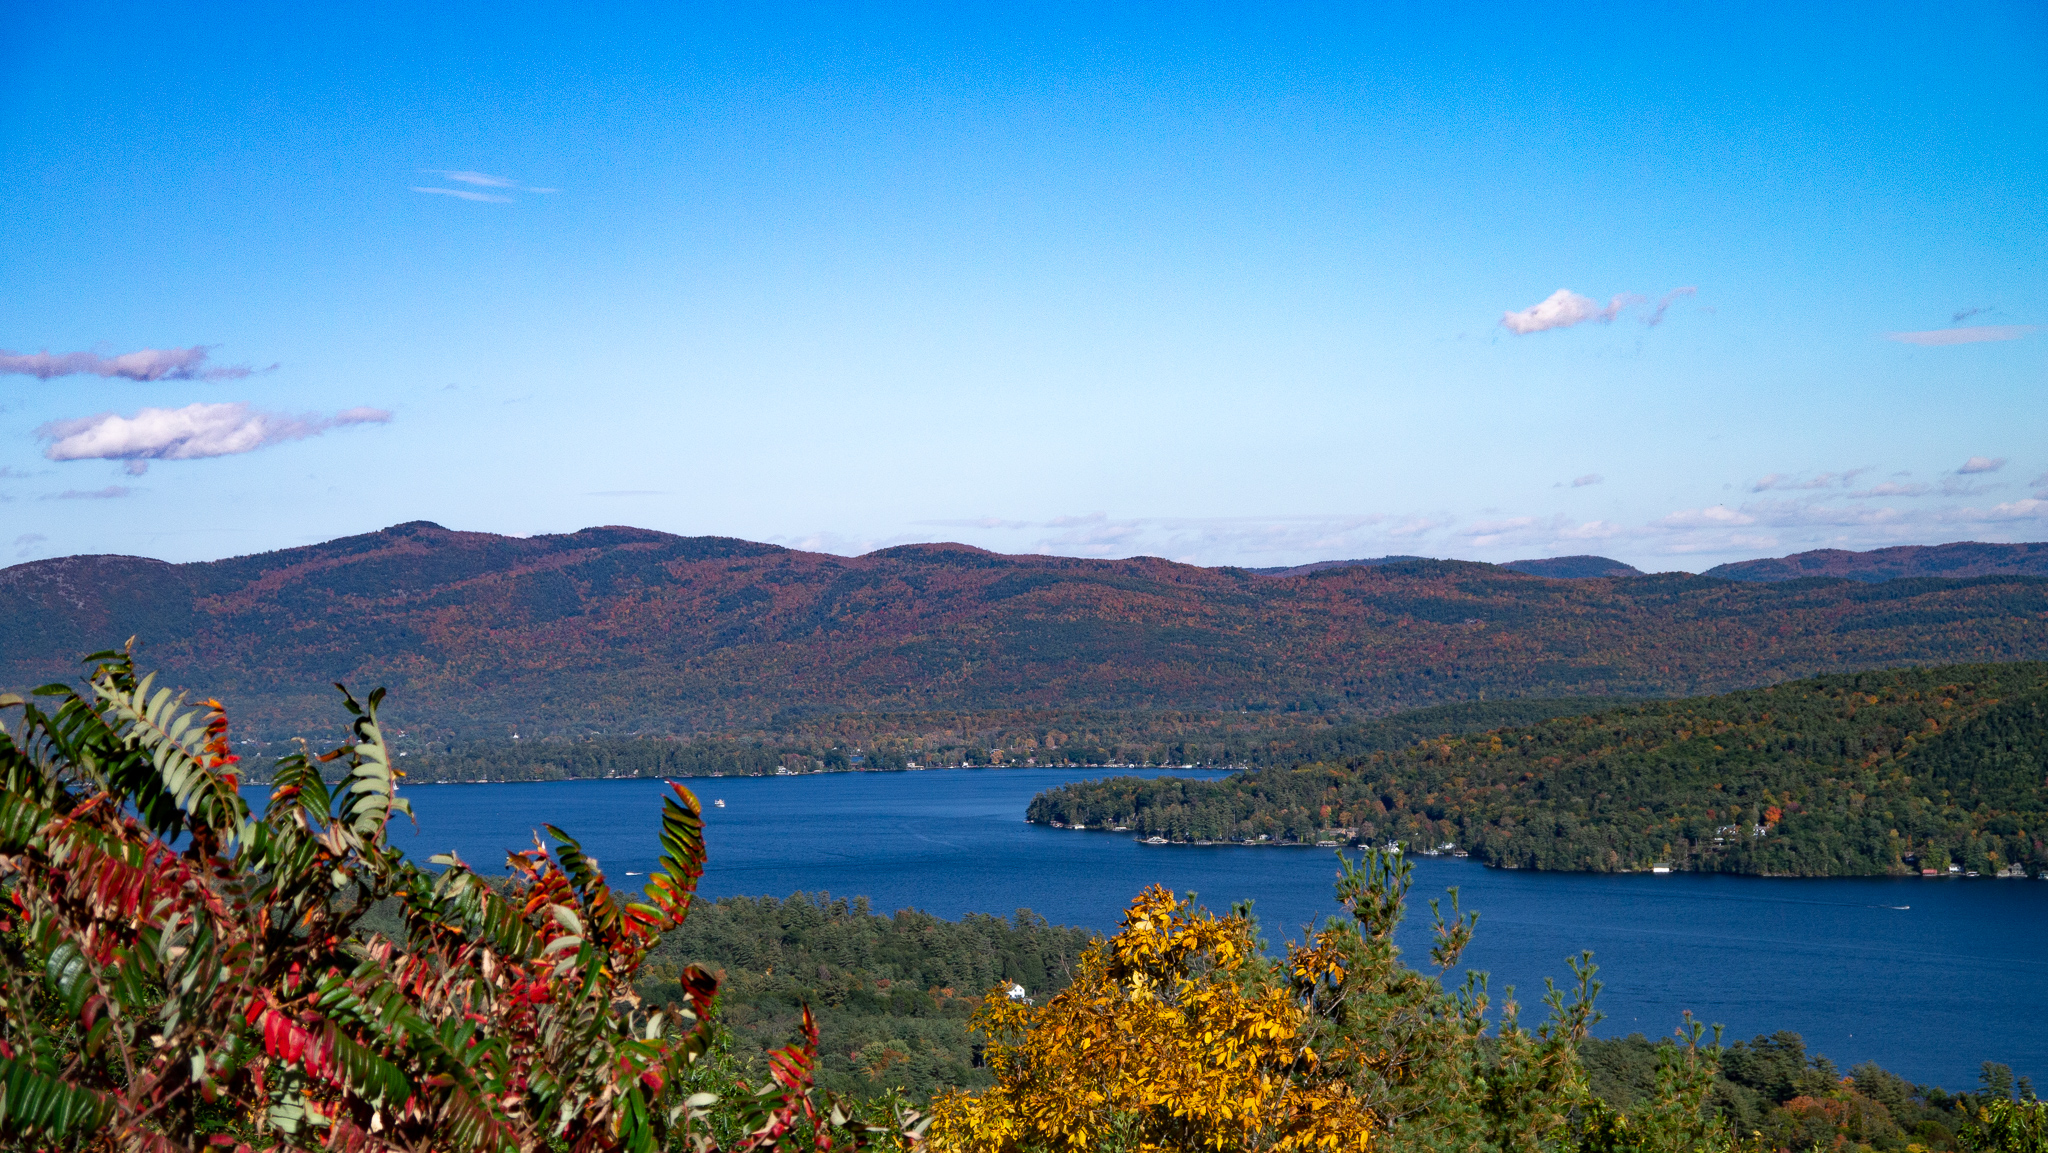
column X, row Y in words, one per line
column 1961, row 559
column 621, row 630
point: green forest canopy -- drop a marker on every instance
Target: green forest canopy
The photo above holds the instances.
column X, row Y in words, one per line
column 893, row 994
column 1851, row 775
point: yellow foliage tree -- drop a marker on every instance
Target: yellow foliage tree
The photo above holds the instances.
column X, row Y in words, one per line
column 1173, row 1035
column 1179, row 1034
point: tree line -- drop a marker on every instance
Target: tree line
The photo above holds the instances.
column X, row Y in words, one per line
column 1010, row 738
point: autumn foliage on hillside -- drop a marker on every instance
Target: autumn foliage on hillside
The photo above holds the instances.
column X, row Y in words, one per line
column 620, row 630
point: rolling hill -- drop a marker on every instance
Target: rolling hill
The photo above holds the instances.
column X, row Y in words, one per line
column 1851, row 775
column 1574, row 567
column 622, row 630
column 1962, row 559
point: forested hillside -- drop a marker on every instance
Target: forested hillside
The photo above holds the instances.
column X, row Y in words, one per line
column 892, row 993
column 1962, row 559
column 1861, row 774
column 620, row 631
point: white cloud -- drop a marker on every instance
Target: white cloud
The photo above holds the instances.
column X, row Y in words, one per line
column 2032, row 508
column 1974, row 335
column 1812, row 522
column 1589, row 478
column 144, row 364
column 190, row 433
column 1565, row 308
column 1562, row 309
column 1982, row 464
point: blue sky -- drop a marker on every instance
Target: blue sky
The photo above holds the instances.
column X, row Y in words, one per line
column 1228, row 286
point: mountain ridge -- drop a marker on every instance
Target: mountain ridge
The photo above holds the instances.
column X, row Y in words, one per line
column 1902, row 562
column 619, row 629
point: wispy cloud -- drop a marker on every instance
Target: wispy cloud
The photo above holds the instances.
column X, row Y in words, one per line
column 1963, row 486
column 465, row 194
column 144, row 364
column 1889, row 488
column 1287, row 539
column 465, row 177
column 190, row 433
column 477, row 180
column 1530, row 529
column 1789, row 512
column 1976, row 334
column 1656, row 318
column 25, row 544
column 1784, row 482
column 1816, row 522
column 1589, row 478
column 1565, row 308
column 1713, row 516
column 1977, row 464
column 111, row 492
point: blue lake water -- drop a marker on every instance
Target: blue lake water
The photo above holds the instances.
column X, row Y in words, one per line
column 1930, row 990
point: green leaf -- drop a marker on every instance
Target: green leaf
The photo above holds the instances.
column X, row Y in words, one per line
column 68, row 976
column 35, row 1103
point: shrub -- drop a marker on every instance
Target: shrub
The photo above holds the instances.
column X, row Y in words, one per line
column 181, row 971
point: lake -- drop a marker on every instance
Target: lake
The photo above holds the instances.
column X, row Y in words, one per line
column 1927, row 977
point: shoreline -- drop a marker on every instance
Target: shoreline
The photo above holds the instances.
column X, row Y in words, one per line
column 1653, row 871
column 410, row 783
